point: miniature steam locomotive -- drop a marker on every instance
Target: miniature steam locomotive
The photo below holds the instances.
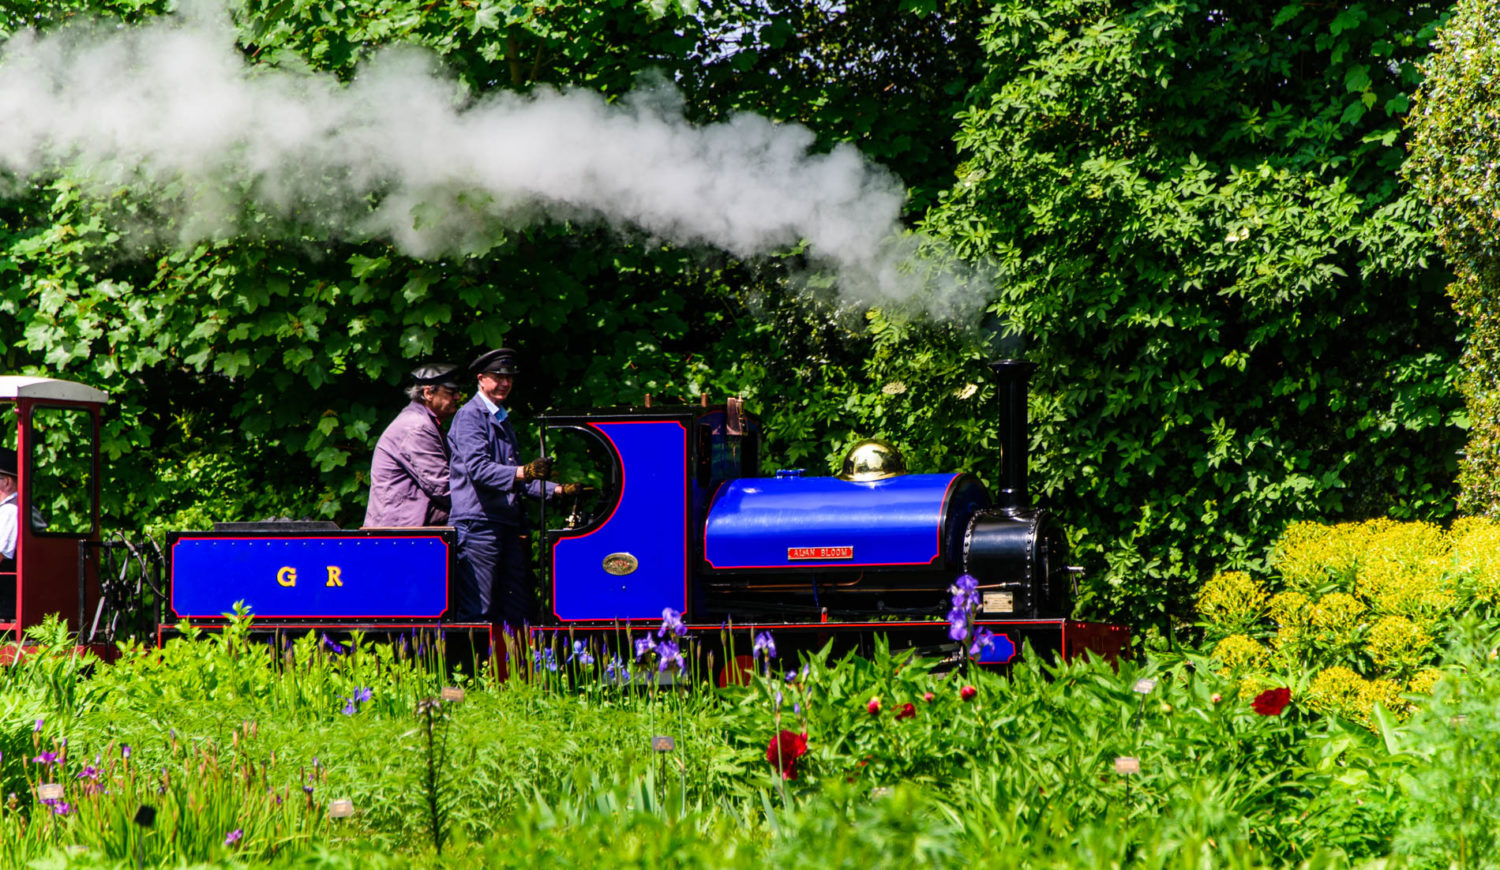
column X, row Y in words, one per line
column 680, row 518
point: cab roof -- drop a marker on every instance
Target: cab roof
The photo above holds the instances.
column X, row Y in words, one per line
column 25, row 387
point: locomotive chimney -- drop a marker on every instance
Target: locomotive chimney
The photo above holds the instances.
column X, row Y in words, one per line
column 1014, row 376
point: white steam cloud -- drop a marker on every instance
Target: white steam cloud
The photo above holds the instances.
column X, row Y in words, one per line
column 172, row 106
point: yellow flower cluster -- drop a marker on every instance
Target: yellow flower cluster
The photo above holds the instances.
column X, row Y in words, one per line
column 1476, row 554
column 1336, row 619
column 1340, row 691
column 1239, row 652
column 1423, row 681
column 1233, row 601
column 1309, row 556
column 1406, row 571
column 1398, row 644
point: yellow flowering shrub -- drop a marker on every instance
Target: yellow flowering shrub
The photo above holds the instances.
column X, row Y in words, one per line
column 1422, row 682
column 1289, row 610
column 1239, row 652
column 1406, row 570
column 1337, row 690
column 1336, row 614
column 1398, row 644
column 1386, row 693
column 1232, row 602
column 1310, row 555
column 1476, row 555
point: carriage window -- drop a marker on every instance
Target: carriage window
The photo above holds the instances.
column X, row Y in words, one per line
column 62, row 471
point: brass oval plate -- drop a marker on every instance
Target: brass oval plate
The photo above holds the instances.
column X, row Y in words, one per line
column 620, row 564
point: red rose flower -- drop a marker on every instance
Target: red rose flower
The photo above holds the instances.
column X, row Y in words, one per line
column 784, row 751
column 1272, row 701
column 908, row 711
column 873, row 706
column 968, row 693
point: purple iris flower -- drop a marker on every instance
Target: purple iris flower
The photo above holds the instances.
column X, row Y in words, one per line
column 45, row 758
column 234, row 836
column 544, row 658
column 58, row 807
column 38, row 725
column 89, row 772
column 671, row 624
column 581, row 653
column 983, row 640
column 332, row 645
column 616, row 671
column 644, row 647
column 671, row 656
column 125, row 751
column 764, row 643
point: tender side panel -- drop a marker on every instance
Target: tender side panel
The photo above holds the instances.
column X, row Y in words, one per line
column 635, row 563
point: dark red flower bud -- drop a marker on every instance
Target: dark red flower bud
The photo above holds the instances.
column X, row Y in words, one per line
column 873, row 706
column 928, row 696
column 908, row 711
column 968, row 693
column 1272, row 701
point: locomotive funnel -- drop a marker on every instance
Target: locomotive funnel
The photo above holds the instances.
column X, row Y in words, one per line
column 1014, row 376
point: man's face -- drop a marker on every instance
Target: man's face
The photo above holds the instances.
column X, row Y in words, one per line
column 7, row 484
column 496, row 387
column 441, row 401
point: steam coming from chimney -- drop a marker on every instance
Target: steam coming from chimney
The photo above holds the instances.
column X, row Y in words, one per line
column 171, row 105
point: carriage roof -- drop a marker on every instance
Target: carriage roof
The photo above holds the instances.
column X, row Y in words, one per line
column 26, row 387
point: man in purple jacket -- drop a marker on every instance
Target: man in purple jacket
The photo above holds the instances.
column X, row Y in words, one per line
column 488, row 480
column 409, row 475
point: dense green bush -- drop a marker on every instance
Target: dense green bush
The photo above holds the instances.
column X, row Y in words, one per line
column 1236, row 306
column 1454, row 130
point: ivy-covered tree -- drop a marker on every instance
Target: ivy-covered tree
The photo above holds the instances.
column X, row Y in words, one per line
column 1236, row 305
column 1455, row 144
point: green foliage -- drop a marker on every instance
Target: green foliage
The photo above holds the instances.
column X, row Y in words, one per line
column 1454, row 127
column 1236, row 307
column 250, row 377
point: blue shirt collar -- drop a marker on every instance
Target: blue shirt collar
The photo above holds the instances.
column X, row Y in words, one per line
column 497, row 411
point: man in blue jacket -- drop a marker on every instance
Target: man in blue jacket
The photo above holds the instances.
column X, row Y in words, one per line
column 487, row 480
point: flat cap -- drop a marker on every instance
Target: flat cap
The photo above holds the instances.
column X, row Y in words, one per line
column 500, row 361
column 437, row 374
column 7, row 461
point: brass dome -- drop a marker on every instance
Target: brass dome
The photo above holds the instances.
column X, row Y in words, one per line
column 872, row 459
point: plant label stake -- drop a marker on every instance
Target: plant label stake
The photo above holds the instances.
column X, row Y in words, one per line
column 453, row 694
column 1144, row 686
column 1125, row 765
column 145, row 817
column 663, row 743
column 49, row 791
column 342, row 808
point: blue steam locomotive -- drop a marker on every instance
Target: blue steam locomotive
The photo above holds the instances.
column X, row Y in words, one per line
column 680, row 518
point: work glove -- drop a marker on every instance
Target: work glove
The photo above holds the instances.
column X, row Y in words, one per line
column 539, row 468
column 574, row 489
